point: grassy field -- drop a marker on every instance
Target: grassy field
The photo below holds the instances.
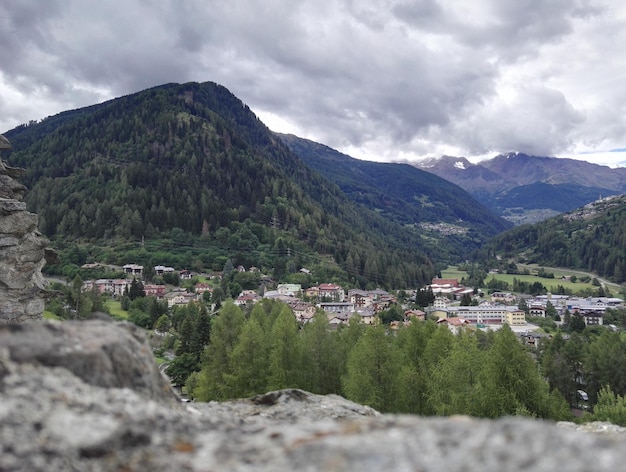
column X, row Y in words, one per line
column 115, row 308
column 550, row 284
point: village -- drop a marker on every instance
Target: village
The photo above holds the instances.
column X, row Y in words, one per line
column 446, row 307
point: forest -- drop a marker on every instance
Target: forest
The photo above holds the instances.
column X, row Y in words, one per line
column 590, row 239
column 422, row 368
column 187, row 172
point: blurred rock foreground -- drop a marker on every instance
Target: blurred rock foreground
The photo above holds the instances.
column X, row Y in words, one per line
column 87, row 396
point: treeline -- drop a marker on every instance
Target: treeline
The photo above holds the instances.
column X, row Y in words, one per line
column 422, row 368
column 592, row 242
column 192, row 162
column 588, row 360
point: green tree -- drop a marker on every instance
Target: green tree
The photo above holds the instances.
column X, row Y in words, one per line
column 452, row 385
column 372, row 371
column 285, row 358
column 510, row 383
column 248, row 363
column 216, row 358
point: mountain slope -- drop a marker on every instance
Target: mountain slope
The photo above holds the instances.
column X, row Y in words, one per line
column 190, row 169
column 526, row 188
column 591, row 238
column 404, row 194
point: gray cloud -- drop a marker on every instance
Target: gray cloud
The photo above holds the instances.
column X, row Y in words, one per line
column 384, row 79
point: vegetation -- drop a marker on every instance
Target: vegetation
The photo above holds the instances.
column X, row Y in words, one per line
column 186, row 175
column 422, row 369
column 590, row 239
column 408, row 196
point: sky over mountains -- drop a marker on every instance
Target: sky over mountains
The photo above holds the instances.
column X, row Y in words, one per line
column 392, row 80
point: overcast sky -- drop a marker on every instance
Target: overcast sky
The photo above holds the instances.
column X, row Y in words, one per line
column 377, row 79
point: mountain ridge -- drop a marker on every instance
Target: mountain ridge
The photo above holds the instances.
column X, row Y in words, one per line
column 509, row 183
column 191, row 164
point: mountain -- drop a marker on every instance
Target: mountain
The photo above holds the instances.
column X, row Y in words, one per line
column 591, row 238
column 186, row 175
column 406, row 195
column 525, row 188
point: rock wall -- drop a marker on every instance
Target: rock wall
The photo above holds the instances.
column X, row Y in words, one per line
column 85, row 396
column 22, row 250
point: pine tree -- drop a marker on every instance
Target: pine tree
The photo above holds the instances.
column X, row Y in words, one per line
column 216, row 358
column 248, row 361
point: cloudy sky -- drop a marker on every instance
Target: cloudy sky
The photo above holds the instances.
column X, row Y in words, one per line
column 377, row 79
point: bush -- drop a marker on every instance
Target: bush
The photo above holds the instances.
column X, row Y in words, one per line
column 610, row 407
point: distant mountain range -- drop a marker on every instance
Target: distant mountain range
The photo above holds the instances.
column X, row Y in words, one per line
column 525, row 188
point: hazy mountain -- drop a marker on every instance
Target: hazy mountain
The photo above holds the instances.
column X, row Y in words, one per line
column 525, row 188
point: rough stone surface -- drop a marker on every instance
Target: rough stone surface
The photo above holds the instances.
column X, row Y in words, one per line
column 23, row 251
column 58, row 416
column 100, row 353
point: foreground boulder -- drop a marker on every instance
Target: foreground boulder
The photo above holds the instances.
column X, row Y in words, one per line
column 58, row 417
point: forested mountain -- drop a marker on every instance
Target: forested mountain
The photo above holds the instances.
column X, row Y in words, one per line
column 188, row 175
column 592, row 238
column 406, row 195
column 525, row 189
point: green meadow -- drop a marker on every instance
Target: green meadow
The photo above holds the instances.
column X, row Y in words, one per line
column 550, row 284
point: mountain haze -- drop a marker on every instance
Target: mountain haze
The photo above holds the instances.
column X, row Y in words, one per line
column 526, row 188
column 189, row 169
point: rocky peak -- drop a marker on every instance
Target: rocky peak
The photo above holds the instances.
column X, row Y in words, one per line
column 22, row 249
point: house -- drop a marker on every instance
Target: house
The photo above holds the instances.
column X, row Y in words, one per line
column 454, row 324
column 185, row 274
column 116, row 287
column 289, row 289
column 160, row 270
column 410, row 315
column 337, row 307
column 331, row 292
column 515, row 317
column 247, row 297
column 202, row 287
column 367, row 316
column 537, row 310
column 152, row 290
column 133, row 269
column 485, row 314
column 360, row 298
column 503, row 297
column 593, row 318
column 179, row 297
column 303, row 311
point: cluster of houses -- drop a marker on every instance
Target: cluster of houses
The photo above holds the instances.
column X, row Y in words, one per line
column 366, row 305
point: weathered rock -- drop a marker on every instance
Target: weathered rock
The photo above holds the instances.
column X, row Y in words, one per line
column 100, row 353
column 23, row 251
column 57, row 416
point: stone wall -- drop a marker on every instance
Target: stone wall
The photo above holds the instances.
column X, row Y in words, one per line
column 22, row 250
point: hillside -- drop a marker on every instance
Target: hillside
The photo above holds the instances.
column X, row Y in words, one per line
column 406, row 195
column 525, row 189
column 187, row 175
column 591, row 238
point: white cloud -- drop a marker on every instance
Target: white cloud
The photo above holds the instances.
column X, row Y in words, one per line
column 376, row 79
